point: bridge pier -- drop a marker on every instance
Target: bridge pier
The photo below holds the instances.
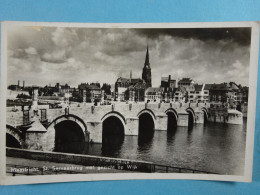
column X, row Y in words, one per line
column 161, row 122
column 131, row 127
column 199, row 117
column 183, row 119
column 49, row 139
column 95, row 129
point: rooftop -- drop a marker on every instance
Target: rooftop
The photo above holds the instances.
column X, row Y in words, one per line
column 185, row 80
column 87, row 86
column 207, row 86
column 128, row 80
column 36, row 127
column 198, row 87
column 123, row 80
column 154, row 90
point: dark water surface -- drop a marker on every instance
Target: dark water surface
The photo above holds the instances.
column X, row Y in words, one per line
column 213, row 147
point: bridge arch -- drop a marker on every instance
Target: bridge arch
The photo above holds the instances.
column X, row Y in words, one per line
column 67, row 133
column 148, row 111
column 171, row 119
column 146, row 126
column 70, row 117
column 192, row 118
column 172, row 111
column 205, row 111
column 113, row 132
column 115, row 114
column 14, row 137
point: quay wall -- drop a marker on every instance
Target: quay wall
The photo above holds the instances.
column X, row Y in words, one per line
column 85, row 160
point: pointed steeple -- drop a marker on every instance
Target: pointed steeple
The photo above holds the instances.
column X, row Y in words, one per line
column 146, row 75
column 147, row 63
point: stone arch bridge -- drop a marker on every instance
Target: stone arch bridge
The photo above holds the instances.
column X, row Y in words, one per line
column 39, row 131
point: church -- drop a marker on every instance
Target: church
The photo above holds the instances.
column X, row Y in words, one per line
column 133, row 89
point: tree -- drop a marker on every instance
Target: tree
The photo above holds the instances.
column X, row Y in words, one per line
column 40, row 92
column 47, row 91
column 107, row 88
column 127, row 94
column 96, row 84
column 31, row 91
column 76, row 97
column 23, row 96
column 88, row 96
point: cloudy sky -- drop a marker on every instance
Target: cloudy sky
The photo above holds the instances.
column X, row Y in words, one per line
column 47, row 55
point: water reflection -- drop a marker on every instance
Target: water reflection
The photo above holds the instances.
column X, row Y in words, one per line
column 171, row 136
column 214, row 147
column 145, row 132
column 112, row 136
column 112, row 146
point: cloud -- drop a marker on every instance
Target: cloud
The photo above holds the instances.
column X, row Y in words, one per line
column 18, row 53
column 238, row 70
column 57, row 56
column 238, row 35
column 22, row 53
column 31, row 51
column 122, row 42
column 64, row 37
column 88, row 55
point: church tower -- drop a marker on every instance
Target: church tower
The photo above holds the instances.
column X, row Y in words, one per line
column 147, row 76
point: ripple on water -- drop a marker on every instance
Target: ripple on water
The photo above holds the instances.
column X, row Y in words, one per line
column 213, row 147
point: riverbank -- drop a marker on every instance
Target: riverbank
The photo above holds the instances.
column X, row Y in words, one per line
column 90, row 161
column 29, row 162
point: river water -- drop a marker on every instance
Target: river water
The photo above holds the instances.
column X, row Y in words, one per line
column 213, row 147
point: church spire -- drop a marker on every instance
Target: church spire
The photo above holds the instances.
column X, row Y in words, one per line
column 147, row 63
column 146, row 75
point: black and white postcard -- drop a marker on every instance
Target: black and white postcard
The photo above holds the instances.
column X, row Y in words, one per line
column 83, row 102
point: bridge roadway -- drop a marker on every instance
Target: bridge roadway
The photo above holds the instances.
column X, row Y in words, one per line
column 91, row 118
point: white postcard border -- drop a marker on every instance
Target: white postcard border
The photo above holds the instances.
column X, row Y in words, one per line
column 253, row 69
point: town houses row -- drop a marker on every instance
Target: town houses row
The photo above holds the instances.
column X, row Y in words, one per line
column 135, row 90
column 184, row 90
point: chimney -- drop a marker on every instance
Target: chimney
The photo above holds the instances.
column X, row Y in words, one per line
column 18, row 83
column 23, row 84
column 169, row 81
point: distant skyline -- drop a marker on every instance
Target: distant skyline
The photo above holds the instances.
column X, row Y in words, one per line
column 47, row 55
